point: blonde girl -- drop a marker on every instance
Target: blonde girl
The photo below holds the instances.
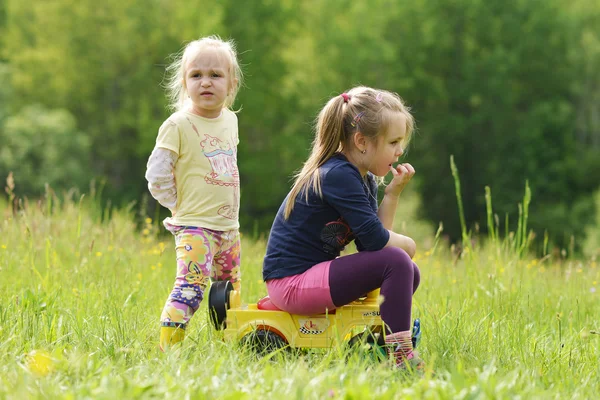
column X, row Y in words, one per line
column 193, row 172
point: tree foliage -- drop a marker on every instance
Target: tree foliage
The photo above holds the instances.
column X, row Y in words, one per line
column 510, row 88
column 44, row 146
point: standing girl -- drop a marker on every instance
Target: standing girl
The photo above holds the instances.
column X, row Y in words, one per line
column 359, row 135
column 193, row 172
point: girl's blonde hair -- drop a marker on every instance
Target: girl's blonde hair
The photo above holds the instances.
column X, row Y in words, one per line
column 177, row 93
column 360, row 109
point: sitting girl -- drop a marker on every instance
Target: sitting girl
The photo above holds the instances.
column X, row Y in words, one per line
column 359, row 136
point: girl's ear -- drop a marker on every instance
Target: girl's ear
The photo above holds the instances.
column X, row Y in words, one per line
column 360, row 141
column 233, row 83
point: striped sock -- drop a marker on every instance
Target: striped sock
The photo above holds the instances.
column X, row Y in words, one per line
column 400, row 345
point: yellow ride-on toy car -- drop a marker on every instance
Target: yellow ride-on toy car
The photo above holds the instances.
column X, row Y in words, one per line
column 264, row 327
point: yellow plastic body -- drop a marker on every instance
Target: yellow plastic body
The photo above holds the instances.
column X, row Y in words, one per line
column 304, row 331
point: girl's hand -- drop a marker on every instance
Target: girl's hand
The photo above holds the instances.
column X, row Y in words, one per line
column 402, row 174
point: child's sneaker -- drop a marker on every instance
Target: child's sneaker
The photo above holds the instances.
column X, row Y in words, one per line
column 412, row 363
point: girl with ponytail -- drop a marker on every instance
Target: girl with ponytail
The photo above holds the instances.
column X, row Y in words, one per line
column 360, row 136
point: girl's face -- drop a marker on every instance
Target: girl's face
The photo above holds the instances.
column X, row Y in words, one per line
column 387, row 148
column 208, row 82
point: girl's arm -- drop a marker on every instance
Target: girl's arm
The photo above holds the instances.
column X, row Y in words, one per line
column 402, row 174
column 160, row 174
column 387, row 210
column 403, row 242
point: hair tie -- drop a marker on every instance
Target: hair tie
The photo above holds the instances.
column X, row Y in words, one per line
column 346, row 97
column 379, row 97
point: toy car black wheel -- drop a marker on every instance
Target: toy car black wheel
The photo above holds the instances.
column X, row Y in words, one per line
column 370, row 344
column 263, row 341
column 218, row 303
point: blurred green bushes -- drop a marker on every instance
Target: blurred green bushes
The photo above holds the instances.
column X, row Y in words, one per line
column 510, row 88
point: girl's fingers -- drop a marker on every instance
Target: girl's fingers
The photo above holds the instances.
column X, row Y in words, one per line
column 406, row 170
column 409, row 168
column 402, row 170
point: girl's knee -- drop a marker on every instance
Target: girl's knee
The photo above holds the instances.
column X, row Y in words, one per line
column 398, row 257
column 417, row 277
column 416, row 269
column 190, row 295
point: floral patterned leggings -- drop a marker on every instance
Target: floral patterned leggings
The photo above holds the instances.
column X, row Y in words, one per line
column 202, row 254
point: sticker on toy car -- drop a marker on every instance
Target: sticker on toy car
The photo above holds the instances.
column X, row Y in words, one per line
column 313, row 326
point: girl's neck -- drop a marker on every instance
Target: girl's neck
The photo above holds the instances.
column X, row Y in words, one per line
column 353, row 159
column 214, row 115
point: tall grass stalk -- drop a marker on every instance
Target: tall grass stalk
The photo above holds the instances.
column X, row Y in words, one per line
column 490, row 215
column 523, row 243
column 465, row 236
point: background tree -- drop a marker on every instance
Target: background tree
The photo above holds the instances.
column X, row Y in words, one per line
column 35, row 141
column 269, row 119
column 511, row 88
column 495, row 88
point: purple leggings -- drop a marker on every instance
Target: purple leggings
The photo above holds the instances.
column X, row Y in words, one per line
column 389, row 269
column 347, row 278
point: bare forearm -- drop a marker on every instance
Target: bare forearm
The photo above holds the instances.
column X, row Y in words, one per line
column 403, row 242
column 387, row 211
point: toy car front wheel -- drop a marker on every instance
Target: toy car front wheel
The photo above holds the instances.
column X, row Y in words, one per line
column 263, row 341
column 218, row 303
column 369, row 343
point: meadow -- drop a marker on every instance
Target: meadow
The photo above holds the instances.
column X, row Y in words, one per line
column 81, row 293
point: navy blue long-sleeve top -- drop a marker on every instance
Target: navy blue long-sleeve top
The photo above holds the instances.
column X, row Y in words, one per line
column 319, row 229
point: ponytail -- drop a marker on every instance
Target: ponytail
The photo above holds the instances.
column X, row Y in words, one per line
column 328, row 139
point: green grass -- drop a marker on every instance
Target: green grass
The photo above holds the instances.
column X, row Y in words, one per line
column 88, row 295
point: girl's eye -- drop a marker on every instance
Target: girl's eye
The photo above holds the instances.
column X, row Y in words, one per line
column 395, row 142
column 216, row 75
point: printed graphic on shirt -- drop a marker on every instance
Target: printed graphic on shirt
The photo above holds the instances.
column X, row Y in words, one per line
column 335, row 236
column 223, row 161
column 231, row 212
column 193, row 126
